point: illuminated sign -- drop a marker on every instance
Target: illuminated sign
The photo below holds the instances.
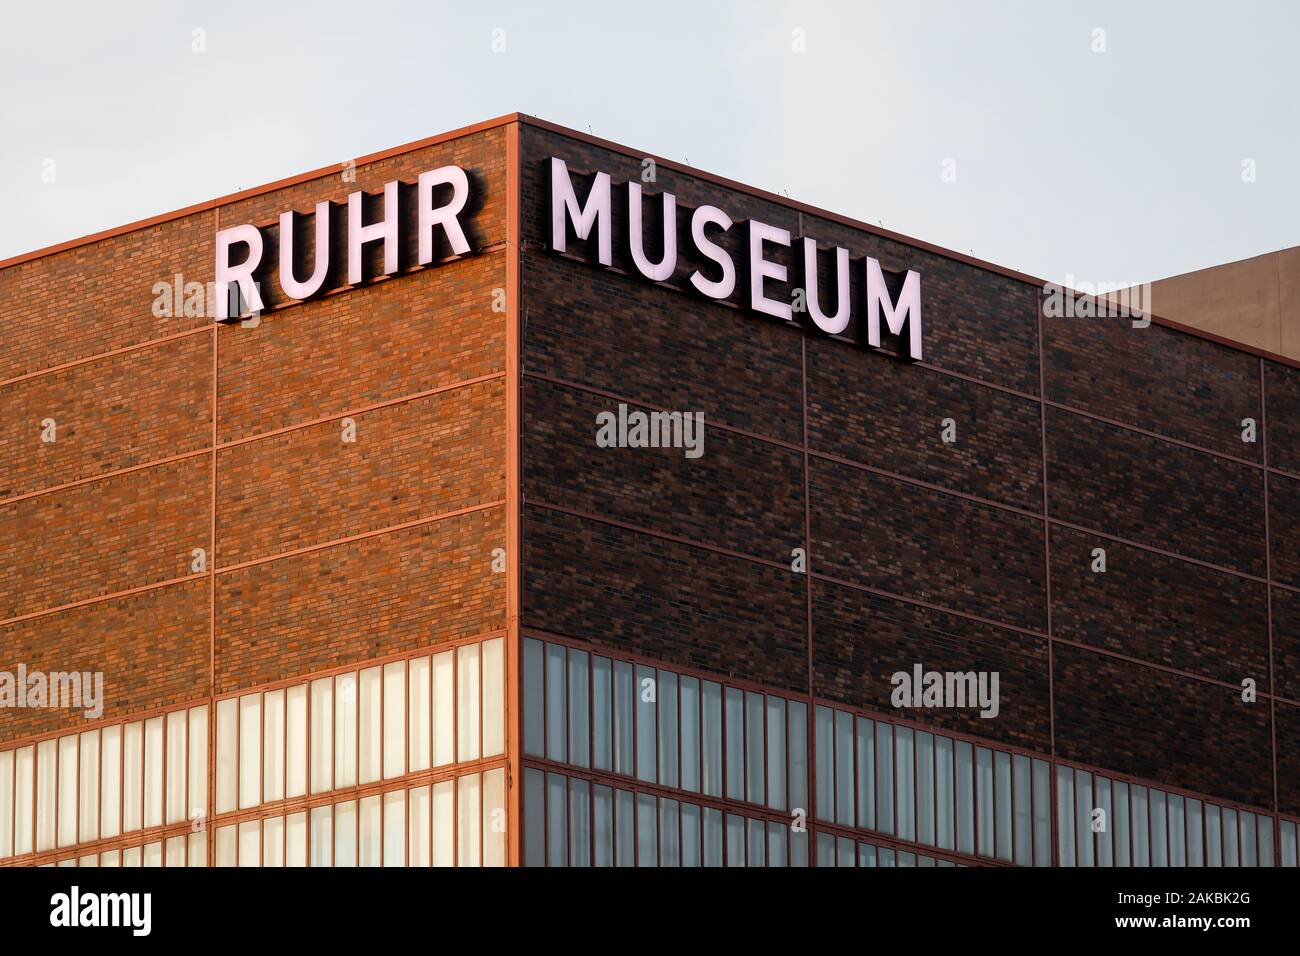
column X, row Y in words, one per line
column 718, row 274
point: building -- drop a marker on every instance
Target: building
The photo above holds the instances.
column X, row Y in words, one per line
column 471, row 516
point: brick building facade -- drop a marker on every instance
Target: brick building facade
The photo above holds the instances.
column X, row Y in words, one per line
column 469, row 635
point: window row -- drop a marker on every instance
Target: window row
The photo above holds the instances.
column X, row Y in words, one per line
column 931, row 789
column 835, row 850
column 661, row 727
column 569, row 821
column 1120, row 824
column 185, row 850
column 460, row 822
column 105, row 782
column 362, row 726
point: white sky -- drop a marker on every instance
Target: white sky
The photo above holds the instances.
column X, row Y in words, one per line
column 1123, row 165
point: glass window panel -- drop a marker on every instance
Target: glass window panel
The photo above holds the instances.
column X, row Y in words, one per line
column 777, row 851
column 1290, row 844
column 691, row 837
column 1249, row 849
column 845, row 804
column 272, row 745
column 364, row 723
column 1230, row 837
column 1042, row 813
column 174, row 803
column 623, row 697
column 469, row 820
column 646, row 735
column 7, row 801
column 1265, row 839
column 1105, row 833
column 602, row 691
column 690, row 734
column 735, row 840
column 904, row 762
column 1141, row 827
column 647, row 835
column 227, row 847
column 1121, row 822
column 797, row 743
column 944, row 784
column 756, row 851
column 1084, row 804
column 295, row 741
column 494, row 817
column 346, row 836
column 755, row 772
column 494, row 697
column 534, row 701
column 394, row 719
column 1065, row 828
column 322, row 831
column 110, row 858
column 866, row 854
column 906, row 859
column 444, row 709
column 624, row 828
column 825, row 849
column 825, row 750
column 984, row 799
column 713, row 841
column 712, row 748
column 418, row 718
column 469, row 706
column 1195, row 834
column 776, row 726
column 669, row 832
column 322, row 735
column 153, row 772
column 556, row 691
column 884, row 777
column 227, row 756
column 370, row 831
column 133, row 770
column 1002, row 826
column 925, row 789
column 250, row 752
column 24, row 768
column 250, row 843
column 395, row 828
column 295, row 840
column 668, row 731
column 579, row 821
column 67, row 796
column 534, row 817
column 418, row 839
column 272, row 842
column 110, row 758
column 579, row 709
column 884, row 857
column 602, row 812
column 846, row 852
column 1177, row 832
column 735, row 724
column 1159, row 829
column 557, row 820
column 1213, row 836
column 1022, row 797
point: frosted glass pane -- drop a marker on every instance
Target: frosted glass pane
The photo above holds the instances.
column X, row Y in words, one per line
column 417, row 714
column 226, row 847
column 322, row 735
column 690, row 733
column 394, row 719
column 69, row 759
column 345, row 834
column 47, row 753
column 227, row 754
column 133, row 774
column 579, row 708
column 153, row 772
column 494, row 697
column 110, row 809
column 250, row 751
column 198, row 849
column 371, row 723
column 177, row 769
column 468, row 820
column 395, row 828
column 444, row 709
column 175, row 850
column 494, row 817
column 321, row 837
column 273, row 841
column 444, row 823
column 468, row 706
column 776, row 772
column 273, row 746
column 417, row 827
column 295, row 741
column 250, row 843
column 295, row 839
column 153, row 854
column 6, row 803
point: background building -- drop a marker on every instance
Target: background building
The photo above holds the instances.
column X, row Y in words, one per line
column 472, row 636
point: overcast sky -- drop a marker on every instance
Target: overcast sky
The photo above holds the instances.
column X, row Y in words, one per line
column 1131, row 163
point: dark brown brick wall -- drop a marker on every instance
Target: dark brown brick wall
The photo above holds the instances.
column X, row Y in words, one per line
column 1284, row 528
column 1282, row 386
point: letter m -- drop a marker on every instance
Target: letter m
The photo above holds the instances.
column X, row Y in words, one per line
column 900, row 315
column 565, row 210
